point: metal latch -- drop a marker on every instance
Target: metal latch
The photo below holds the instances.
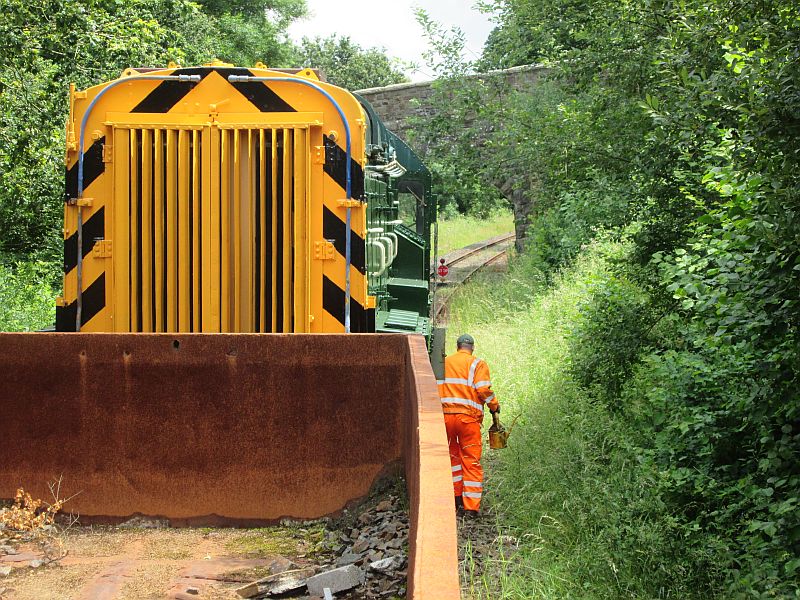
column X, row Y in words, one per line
column 351, row 203
column 323, row 250
column 102, row 249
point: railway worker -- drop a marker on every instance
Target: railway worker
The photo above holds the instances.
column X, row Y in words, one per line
column 464, row 391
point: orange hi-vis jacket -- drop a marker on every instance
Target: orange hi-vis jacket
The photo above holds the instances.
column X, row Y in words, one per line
column 466, row 386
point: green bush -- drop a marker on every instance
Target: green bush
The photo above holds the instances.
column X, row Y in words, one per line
column 589, row 207
column 27, row 296
column 610, row 331
column 726, row 456
column 576, row 493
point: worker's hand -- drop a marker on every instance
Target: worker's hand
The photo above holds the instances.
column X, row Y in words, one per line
column 495, row 412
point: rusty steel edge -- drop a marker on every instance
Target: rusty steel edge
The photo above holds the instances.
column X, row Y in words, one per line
column 244, row 429
column 433, row 547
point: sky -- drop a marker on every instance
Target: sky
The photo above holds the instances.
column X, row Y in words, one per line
column 391, row 25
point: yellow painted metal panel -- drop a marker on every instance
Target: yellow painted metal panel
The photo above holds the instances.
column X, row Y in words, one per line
column 315, row 229
column 236, row 231
column 267, row 120
column 184, row 225
column 171, row 120
column 211, row 225
column 147, row 230
column 225, row 234
column 274, row 230
column 135, row 241
column 158, row 226
column 286, row 223
column 213, row 94
column 308, row 314
column 70, row 227
column 248, row 232
column 300, row 232
column 120, row 290
column 194, row 245
column 262, row 199
column 197, row 268
column 171, row 306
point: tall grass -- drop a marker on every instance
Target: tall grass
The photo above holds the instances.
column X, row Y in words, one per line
column 569, row 489
column 462, row 230
column 27, row 296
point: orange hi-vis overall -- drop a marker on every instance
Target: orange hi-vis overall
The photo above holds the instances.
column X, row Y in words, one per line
column 465, row 389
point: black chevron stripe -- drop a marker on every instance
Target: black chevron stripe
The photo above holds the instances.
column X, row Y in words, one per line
column 93, row 229
column 335, row 231
column 94, row 300
column 335, row 163
column 93, row 167
column 168, row 93
column 257, row 92
column 361, row 320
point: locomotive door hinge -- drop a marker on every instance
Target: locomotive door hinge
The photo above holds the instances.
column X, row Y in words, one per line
column 80, row 201
column 319, row 155
column 108, row 153
column 323, row 250
column 351, row 203
column 102, row 249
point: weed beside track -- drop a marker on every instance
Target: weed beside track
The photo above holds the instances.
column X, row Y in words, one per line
column 567, row 511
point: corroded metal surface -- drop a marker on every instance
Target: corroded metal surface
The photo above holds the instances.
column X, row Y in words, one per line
column 201, row 428
column 215, row 428
column 432, row 551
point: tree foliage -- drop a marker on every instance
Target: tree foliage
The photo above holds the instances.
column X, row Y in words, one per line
column 673, row 126
column 348, row 65
column 282, row 11
column 45, row 45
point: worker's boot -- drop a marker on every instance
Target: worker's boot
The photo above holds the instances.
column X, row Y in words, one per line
column 470, row 515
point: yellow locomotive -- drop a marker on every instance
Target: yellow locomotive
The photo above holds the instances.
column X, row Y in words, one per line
column 224, row 199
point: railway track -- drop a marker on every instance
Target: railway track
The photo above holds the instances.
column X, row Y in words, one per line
column 458, row 256
column 464, row 263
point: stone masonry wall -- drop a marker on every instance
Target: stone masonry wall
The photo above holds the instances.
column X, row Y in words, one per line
column 395, row 104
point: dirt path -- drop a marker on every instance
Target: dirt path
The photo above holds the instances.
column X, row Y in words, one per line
column 483, row 550
column 106, row 563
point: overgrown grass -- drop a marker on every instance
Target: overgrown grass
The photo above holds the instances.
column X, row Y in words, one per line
column 463, row 230
column 27, row 296
column 288, row 539
column 569, row 488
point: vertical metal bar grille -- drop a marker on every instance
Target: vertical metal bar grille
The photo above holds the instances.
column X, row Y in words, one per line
column 184, row 242
column 134, row 239
column 121, row 218
column 217, row 229
column 146, row 233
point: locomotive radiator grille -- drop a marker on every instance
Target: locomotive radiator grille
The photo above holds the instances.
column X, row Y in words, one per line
column 211, row 223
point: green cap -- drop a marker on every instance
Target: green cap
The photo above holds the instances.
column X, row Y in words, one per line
column 465, row 339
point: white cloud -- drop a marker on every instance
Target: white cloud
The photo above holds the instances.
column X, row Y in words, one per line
column 392, row 25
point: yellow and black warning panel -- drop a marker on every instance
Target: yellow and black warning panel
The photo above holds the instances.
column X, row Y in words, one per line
column 215, row 199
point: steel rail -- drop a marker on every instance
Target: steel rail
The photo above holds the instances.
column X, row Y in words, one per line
column 472, row 249
column 441, row 302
